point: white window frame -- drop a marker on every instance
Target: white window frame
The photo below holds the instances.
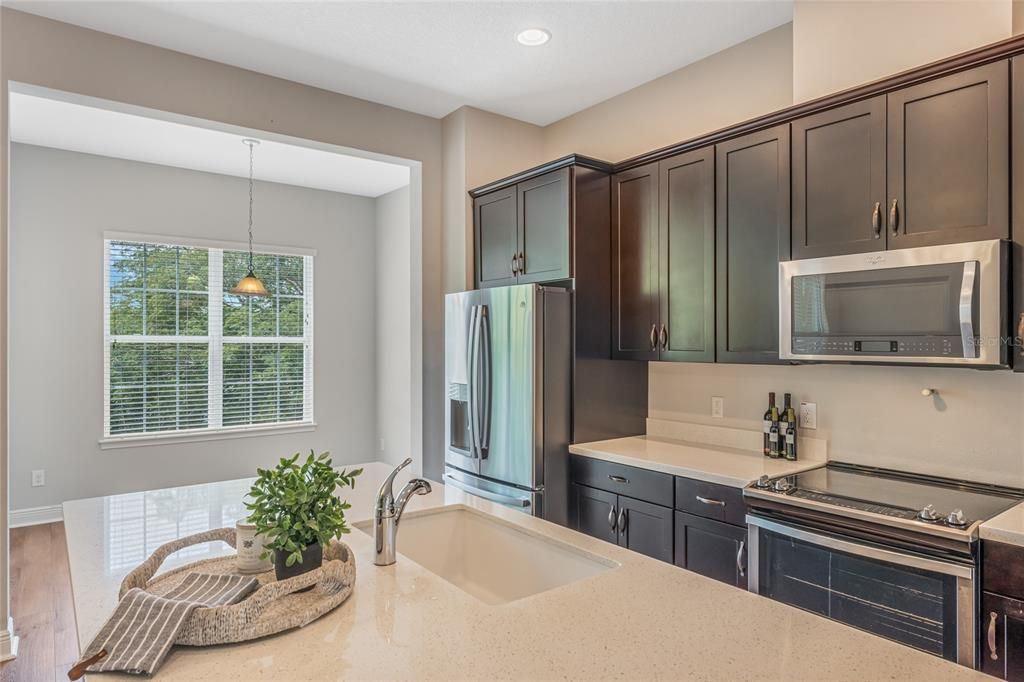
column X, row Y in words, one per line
column 215, row 340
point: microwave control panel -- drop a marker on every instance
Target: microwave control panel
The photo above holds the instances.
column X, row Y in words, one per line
column 909, row 346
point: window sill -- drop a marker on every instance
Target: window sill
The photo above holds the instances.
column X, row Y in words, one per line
column 198, row 436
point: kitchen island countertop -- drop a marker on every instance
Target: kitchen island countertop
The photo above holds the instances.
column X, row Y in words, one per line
column 643, row 619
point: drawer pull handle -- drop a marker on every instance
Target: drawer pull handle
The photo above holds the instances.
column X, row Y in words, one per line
column 739, row 559
column 618, row 479
column 622, row 520
column 611, row 517
column 708, row 500
column 992, row 636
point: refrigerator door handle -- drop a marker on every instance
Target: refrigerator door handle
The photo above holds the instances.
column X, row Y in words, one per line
column 474, row 430
column 486, row 374
column 488, row 495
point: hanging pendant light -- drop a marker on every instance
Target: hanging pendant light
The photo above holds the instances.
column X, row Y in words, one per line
column 250, row 285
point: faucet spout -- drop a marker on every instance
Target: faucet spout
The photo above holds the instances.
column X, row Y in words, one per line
column 388, row 512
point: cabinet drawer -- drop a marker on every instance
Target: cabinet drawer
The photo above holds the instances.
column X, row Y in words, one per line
column 711, row 500
column 1002, row 569
column 640, row 484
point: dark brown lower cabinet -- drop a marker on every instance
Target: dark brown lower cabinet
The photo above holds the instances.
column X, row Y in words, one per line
column 712, row 548
column 1002, row 636
column 636, row 525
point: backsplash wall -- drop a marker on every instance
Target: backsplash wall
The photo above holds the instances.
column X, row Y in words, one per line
column 972, row 429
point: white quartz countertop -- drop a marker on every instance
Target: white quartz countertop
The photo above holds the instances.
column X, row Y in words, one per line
column 641, row 620
column 1008, row 527
column 727, row 466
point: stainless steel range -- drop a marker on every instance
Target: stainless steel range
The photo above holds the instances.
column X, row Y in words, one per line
column 892, row 553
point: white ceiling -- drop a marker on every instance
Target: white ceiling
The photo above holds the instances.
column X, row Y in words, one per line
column 433, row 57
column 91, row 130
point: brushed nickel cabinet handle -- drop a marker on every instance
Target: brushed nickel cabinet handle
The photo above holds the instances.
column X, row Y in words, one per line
column 618, row 479
column 654, row 337
column 515, row 270
column 992, row 636
column 876, row 219
column 739, row 559
column 708, row 500
column 622, row 520
column 522, row 263
column 611, row 517
column 894, row 217
column 663, row 337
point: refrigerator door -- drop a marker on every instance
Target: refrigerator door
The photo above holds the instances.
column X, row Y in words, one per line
column 511, row 335
column 461, row 408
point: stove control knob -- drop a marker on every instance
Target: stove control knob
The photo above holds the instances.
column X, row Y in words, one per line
column 928, row 514
column 763, row 482
column 782, row 486
column 957, row 519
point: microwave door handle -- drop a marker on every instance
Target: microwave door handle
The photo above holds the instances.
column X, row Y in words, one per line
column 486, row 379
column 966, row 309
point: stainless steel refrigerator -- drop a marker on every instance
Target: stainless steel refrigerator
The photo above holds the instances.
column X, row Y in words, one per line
column 508, row 374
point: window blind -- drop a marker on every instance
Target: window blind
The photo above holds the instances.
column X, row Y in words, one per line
column 182, row 353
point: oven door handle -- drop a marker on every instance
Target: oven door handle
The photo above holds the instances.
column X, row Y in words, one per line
column 966, row 309
column 868, row 551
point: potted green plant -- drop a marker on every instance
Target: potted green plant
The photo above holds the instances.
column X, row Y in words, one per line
column 296, row 511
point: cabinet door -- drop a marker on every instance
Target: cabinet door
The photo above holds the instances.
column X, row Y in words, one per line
column 593, row 512
column 1002, row 636
column 635, row 263
column 839, row 181
column 948, row 167
column 752, row 236
column 544, row 220
column 645, row 528
column 711, row 548
column 494, row 218
column 1017, row 249
column 686, row 247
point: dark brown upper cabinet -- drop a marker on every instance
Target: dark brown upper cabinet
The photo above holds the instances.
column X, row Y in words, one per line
column 686, row 251
column 948, row 159
column 528, row 230
column 752, row 236
column 495, row 218
column 635, row 263
column 839, row 180
column 1017, row 250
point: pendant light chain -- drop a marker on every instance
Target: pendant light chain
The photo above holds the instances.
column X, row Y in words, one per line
column 251, row 176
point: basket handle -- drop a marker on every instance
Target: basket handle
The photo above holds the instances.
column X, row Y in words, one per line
column 280, row 588
column 141, row 576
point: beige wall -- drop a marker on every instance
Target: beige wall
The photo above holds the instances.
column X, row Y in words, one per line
column 744, row 81
column 842, row 43
column 1018, row 17
column 478, row 147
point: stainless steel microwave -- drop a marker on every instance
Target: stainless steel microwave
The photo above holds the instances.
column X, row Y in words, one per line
column 930, row 305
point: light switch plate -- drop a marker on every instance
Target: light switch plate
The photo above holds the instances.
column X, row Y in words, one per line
column 38, row 477
column 808, row 417
column 717, row 407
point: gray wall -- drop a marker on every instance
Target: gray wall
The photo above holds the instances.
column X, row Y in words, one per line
column 394, row 328
column 61, row 204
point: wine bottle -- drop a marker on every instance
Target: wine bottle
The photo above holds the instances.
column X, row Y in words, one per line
column 783, row 424
column 770, row 416
column 789, row 449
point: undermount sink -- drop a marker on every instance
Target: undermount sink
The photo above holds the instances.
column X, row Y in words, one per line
column 490, row 559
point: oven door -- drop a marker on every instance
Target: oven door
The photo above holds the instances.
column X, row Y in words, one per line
column 937, row 304
column 919, row 601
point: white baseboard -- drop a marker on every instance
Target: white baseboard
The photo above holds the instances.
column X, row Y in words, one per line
column 35, row 515
column 8, row 642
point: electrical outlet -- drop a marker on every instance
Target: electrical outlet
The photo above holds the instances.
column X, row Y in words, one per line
column 717, row 407
column 808, row 418
column 38, row 477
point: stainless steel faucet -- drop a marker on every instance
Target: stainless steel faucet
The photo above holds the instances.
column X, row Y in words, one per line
column 388, row 512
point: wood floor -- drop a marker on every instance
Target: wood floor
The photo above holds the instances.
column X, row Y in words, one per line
column 41, row 606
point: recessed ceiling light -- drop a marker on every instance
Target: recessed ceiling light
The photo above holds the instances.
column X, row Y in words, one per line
column 532, row 37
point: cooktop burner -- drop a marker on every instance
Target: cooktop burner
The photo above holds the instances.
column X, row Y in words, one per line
column 890, row 497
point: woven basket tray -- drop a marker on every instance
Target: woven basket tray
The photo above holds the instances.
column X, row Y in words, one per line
column 274, row 607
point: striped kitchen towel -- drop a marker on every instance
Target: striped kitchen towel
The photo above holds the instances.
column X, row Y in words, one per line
column 144, row 626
